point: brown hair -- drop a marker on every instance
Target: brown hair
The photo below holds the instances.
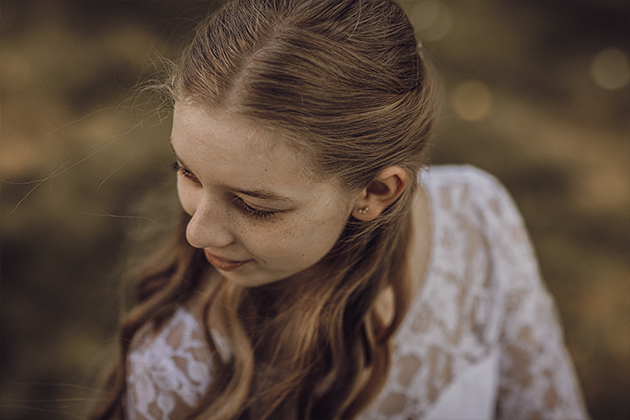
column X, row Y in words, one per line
column 345, row 80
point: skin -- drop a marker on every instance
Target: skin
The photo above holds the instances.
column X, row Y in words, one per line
column 254, row 211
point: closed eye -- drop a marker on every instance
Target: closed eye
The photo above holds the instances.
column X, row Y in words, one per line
column 185, row 172
column 252, row 211
column 238, row 202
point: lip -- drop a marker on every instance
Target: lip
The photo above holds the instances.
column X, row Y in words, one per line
column 223, row 264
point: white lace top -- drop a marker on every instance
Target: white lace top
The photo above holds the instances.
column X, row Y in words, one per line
column 481, row 340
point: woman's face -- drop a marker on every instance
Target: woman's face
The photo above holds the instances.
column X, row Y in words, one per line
column 257, row 216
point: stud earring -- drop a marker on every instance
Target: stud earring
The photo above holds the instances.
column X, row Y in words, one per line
column 364, row 210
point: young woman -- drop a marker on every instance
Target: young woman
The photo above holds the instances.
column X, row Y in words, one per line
column 317, row 272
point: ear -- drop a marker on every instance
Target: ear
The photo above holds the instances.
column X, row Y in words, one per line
column 383, row 191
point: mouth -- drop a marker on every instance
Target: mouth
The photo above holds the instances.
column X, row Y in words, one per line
column 223, row 264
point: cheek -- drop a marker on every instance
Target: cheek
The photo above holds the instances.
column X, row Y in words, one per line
column 299, row 243
column 325, row 235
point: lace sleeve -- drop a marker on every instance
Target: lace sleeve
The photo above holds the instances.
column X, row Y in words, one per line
column 167, row 372
column 537, row 380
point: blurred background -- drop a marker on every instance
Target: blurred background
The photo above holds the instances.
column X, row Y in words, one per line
column 535, row 91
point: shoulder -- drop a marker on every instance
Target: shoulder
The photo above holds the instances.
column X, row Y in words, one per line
column 475, row 221
column 457, row 189
column 461, row 178
column 473, row 211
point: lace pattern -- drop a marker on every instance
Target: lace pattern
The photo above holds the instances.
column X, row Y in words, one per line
column 480, row 341
column 168, row 373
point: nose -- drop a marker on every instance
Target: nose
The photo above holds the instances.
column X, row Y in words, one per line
column 207, row 228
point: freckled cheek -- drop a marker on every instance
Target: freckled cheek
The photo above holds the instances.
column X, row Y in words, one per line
column 327, row 234
column 270, row 242
column 264, row 238
column 298, row 243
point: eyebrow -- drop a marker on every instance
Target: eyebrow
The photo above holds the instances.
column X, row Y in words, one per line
column 257, row 193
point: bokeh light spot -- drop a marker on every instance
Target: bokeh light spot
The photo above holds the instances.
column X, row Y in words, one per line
column 610, row 69
column 432, row 18
column 472, row 100
column 424, row 13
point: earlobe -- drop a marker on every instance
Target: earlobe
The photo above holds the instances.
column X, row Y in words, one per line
column 380, row 193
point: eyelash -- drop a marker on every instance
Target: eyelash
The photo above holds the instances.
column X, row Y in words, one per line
column 251, row 211
column 185, row 172
column 244, row 207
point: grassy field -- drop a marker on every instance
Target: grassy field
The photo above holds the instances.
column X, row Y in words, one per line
column 533, row 91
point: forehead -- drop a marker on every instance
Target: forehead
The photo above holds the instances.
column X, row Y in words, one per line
column 232, row 150
column 229, row 133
